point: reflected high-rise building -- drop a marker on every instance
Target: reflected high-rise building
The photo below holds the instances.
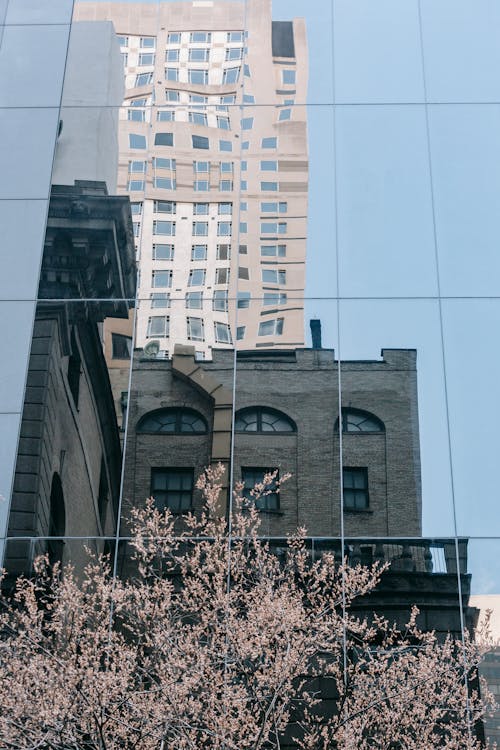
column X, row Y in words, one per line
column 213, row 153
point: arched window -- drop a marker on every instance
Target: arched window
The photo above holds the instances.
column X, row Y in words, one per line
column 173, row 421
column 263, row 419
column 357, row 420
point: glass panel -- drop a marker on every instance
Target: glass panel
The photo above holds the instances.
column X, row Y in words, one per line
column 31, row 11
column 368, row 39
column 465, row 151
column 383, row 177
column 16, row 320
column 26, row 171
column 68, row 469
column 470, row 328
column 312, row 32
column 21, row 251
column 178, row 363
column 391, row 367
column 461, row 54
column 24, row 81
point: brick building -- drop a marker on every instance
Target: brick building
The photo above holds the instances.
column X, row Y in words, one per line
column 286, row 419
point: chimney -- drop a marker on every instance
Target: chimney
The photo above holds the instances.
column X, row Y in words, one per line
column 315, row 324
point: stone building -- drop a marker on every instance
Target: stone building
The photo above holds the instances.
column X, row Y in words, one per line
column 67, row 477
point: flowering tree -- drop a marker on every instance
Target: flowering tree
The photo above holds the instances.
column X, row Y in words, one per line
column 212, row 641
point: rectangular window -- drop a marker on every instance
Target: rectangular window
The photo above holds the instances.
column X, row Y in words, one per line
column 194, row 300
column 122, row 41
column 163, row 252
column 288, row 77
column 136, row 209
column 135, row 185
column 160, row 299
column 226, row 186
column 222, row 333
column 148, row 42
column 198, row 252
column 165, row 183
column 355, row 482
column 174, row 37
column 164, row 139
column 198, row 118
column 227, row 167
column 253, row 476
column 269, row 142
column 225, row 209
column 234, row 53
column 244, row 300
column 165, row 207
column 269, row 166
column 200, row 141
column 243, row 249
column 223, row 123
column 243, row 273
column 248, row 99
column 199, row 77
column 136, row 141
column 198, row 101
column 223, row 252
column 196, row 277
column 161, row 279
column 165, row 115
column 171, row 74
column 137, row 228
column 136, row 166
column 243, row 227
column 219, row 301
column 201, row 186
column 147, row 58
column 285, row 114
column 223, row 228
column 172, row 489
column 172, row 96
column 240, row 333
column 231, row 75
column 158, row 326
column 198, row 54
column 274, row 298
column 136, row 115
column 273, row 276
column 201, row 167
column 141, row 102
column 195, row 330
column 122, row 346
column 269, row 187
column 200, row 209
column 222, row 275
column 200, row 37
column 164, row 227
column 247, row 123
column 225, row 146
column 234, row 36
column 271, row 327
column 143, row 79
column 273, row 251
column 172, row 55
column 200, row 228
column 273, row 227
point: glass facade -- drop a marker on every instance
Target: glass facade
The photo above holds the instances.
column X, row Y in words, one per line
column 179, row 205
